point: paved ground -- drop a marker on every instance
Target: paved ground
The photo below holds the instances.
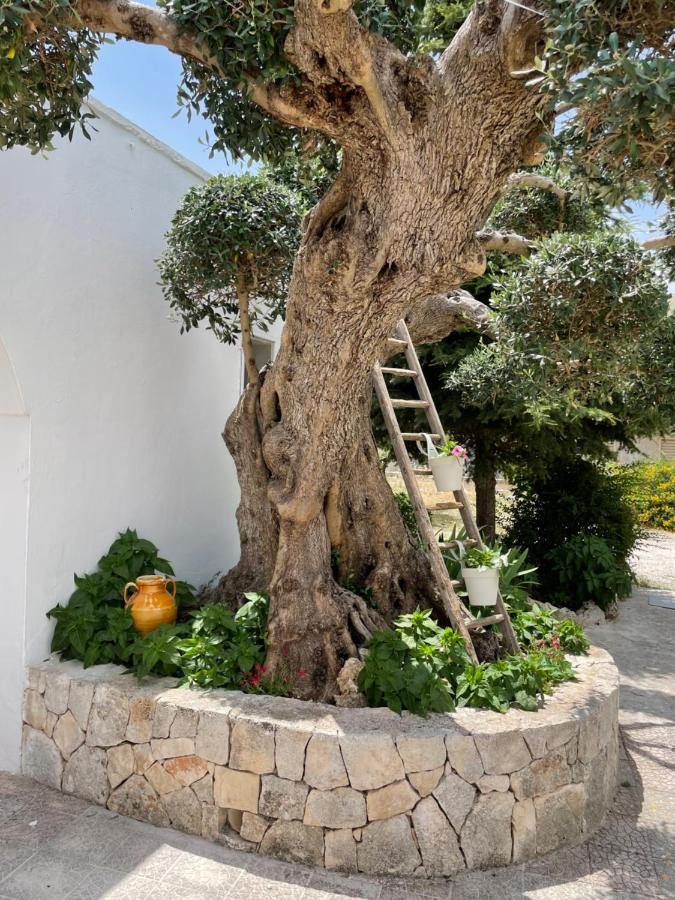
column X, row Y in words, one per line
column 654, row 560
column 54, row 847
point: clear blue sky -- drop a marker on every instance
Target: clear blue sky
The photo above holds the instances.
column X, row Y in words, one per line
column 140, row 81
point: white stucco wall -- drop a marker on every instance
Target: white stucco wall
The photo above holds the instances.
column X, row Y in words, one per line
column 125, row 412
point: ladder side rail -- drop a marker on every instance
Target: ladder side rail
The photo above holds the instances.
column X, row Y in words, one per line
column 454, row 609
column 468, row 520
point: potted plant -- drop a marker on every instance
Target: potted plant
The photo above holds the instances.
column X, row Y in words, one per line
column 447, row 465
column 480, row 571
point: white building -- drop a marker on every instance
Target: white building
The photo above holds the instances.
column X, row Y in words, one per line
column 109, row 417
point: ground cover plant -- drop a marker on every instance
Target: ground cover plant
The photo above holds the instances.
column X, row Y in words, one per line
column 211, row 647
column 428, row 143
column 424, row 668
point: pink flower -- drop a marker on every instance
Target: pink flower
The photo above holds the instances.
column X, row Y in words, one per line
column 301, row 673
column 555, row 641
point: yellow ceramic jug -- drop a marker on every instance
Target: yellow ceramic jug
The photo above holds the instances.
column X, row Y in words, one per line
column 152, row 605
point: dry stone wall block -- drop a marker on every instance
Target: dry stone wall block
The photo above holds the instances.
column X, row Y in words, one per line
column 184, row 810
column 137, row 799
column 252, row 747
column 85, row 774
column 290, row 753
column 141, row 714
column 294, row 842
column 253, row 827
column 67, row 735
column 34, row 710
column 57, row 689
column 162, row 720
column 236, row 790
column 493, row 783
column 213, row 737
column 524, row 827
column 121, row 764
column 542, row 775
column 340, row 850
column 166, row 748
column 391, row 800
column 342, row 807
column 324, row 766
column 204, row 788
column 40, row 758
column 437, row 840
column 108, row 718
column 560, row 817
column 456, row 798
column 184, row 723
column 423, row 753
column 425, row 782
column 79, row 701
column 486, row 836
column 502, row 753
column 463, row 757
column 282, row 799
column 375, row 854
column 371, row 760
column 186, row 769
column 143, row 758
column 161, row 781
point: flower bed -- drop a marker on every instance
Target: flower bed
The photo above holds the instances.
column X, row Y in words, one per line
column 351, row 789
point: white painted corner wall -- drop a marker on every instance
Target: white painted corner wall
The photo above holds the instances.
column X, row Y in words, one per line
column 124, row 414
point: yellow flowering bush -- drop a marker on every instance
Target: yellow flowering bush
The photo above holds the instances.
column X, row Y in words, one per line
column 651, row 489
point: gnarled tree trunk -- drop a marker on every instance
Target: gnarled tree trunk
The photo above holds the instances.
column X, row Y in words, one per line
column 427, row 150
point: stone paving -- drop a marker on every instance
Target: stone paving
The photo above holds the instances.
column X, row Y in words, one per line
column 53, row 846
column 653, row 560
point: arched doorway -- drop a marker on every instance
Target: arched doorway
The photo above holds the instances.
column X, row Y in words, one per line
column 14, row 487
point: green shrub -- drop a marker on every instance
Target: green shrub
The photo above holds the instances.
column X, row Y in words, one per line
column 424, row 668
column 577, row 500
column 650, row 488
column 407, row 512
column 536, row 628
column 516, row 579
column 586, row 571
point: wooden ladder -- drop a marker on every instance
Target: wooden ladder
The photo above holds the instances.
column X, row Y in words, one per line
column 460, row 617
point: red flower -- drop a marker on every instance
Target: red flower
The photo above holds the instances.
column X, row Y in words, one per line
column 301, row 673
column 555, row 641
column 264, row 669
column 255, row 679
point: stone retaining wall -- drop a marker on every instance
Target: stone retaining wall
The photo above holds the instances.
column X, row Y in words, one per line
column 351, row 789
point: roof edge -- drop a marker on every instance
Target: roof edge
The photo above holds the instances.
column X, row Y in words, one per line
column 106, row 112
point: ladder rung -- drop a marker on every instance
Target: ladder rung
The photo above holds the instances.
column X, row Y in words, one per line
column 421, row 471
column 419, row 436
column 402, row 373
column 488, row 620
column 445, row 504
column 456, row 584
column 409, row 404
column 450, row 545
column 397, row 342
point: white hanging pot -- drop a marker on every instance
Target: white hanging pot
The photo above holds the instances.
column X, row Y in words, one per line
column 448, row 472
column 482, row 585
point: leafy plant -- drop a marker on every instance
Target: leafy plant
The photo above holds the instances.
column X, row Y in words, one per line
column 452, row 448
column 423, row 668
column 516, row 579
column 576, row 500
column 536, row 627
column 586, row 571
column 485, row 558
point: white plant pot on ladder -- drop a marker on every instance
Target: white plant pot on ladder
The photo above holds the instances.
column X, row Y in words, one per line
column 447, row 471
column 482, row 585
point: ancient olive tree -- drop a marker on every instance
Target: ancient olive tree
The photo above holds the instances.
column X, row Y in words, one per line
column 428, row 144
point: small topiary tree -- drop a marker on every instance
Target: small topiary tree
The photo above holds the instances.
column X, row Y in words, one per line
column 229, row 256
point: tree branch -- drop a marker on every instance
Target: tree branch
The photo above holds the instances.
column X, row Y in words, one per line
column 521, row 180
column 441, row 315
column 659, row 243
column 505, row 242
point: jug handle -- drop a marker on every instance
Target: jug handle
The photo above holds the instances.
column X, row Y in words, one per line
column 173, row 582
column 128, row 600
